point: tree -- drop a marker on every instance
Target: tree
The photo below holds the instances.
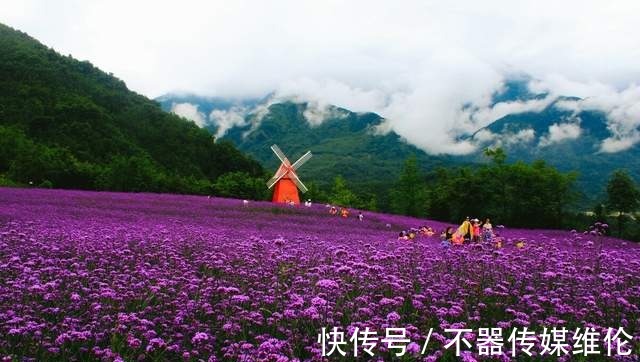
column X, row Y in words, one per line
column 135, row 173
column 74, row 126
column 497, row 155
column 241, row 185
column 315, row 193
column 622, row 195
column 409, row 197
column 340, row 193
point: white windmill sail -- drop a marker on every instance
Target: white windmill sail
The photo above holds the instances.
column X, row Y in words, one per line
column 287, row 169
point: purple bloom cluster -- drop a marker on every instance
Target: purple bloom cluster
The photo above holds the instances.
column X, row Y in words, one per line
column 109, row 276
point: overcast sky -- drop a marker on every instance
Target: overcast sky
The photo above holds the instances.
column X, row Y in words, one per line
column 414, row 62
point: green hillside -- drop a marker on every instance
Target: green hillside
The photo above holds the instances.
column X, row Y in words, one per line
column 65, row 123
column 581, row 154
column 344, row 145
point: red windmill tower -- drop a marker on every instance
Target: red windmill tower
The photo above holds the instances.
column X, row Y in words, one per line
column 286, row 180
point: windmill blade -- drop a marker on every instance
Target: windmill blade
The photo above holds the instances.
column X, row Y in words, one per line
column 297, row 181
column 302, row 160
column 280, row 155
column 279, row 174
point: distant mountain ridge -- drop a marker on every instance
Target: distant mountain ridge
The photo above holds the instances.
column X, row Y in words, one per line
column 577, row 145
column 347, row 143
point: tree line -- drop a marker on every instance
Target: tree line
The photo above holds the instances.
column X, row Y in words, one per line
column 529, row 195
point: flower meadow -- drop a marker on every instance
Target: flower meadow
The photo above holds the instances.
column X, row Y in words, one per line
column 90, row 276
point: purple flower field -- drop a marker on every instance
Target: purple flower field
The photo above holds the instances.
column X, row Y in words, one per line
column 146, row 277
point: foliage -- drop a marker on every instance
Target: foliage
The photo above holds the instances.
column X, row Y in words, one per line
column 622, row 195
column 241, row 185
column 518, row 194
column 66, row 124
column 622, row 192
column 344, row 144
column 315, row 193
column 409, row 196
column 340, row 193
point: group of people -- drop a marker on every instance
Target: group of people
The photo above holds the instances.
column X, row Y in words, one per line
column 471, row 230
column 413, row 232
column 343, row 212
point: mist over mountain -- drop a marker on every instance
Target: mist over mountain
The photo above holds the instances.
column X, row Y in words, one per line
column 529, row 126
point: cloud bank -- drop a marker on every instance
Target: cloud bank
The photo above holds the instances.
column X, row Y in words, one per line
column 559, row 132
column 190, row 111
column 428, row 67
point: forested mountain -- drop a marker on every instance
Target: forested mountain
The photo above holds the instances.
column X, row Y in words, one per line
column 346, row 143
column 566, row 139
column 65, row 123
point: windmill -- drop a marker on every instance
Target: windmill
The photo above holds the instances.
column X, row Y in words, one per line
column 286, row 180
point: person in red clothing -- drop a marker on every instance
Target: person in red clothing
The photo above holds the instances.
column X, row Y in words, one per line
column 475, row 232
column 344, row 212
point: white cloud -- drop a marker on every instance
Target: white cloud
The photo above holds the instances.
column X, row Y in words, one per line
column 486, row 115
column 622, row 109
column 316, row 113
column 324, row 92
column 189, row 111
column 618, row 144
column 559, row 132
column 484, row 138
column 416, row 64
column 227, row 119
column 522, row 136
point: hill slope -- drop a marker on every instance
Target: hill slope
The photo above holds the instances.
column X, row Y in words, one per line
column 65, row 123
column 570, row 141
column 345, row 143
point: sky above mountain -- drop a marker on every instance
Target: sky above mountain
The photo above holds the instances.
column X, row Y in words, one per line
column 430, row 68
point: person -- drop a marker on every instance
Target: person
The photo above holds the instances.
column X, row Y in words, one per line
column 403, row 235
column 412, row 234
column 475, row 228
column 360, row 216
column 430, row 231
column 447, row 234
column 446, row 237
column 344, row 212
column 487, row 230
column 333, row 210
column 463, row 233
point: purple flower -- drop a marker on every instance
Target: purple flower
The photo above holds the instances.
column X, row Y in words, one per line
column 413, row 348
column 199, row 338
column 327, row 284
column 181, row 277
column 393, row 317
